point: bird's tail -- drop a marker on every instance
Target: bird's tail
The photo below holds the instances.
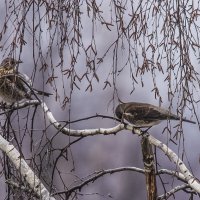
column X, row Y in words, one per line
column 42, row 93
column 190, row 121
column 175, row 117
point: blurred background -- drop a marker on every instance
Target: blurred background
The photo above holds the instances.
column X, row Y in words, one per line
column 91, row 55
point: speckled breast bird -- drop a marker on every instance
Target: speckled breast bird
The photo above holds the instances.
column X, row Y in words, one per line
column 143, row 115
column 15, row 86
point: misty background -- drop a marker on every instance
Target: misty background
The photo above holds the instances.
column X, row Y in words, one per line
column 100, row 152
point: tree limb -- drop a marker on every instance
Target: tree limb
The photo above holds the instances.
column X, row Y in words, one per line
column 96, row 175
column 21, row 165
column 190, row 179
column 173, row 191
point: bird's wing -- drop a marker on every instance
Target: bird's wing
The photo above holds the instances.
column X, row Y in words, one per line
column 21, row 82
column 148, row 112
column 142, row 113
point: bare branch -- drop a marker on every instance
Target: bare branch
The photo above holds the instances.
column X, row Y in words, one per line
column 21, row 165
column 173, row 191
column 21, row 187
column 97, row 175
column 80, row 133
column 191, row 180
column 18, row 105
column 178, row 175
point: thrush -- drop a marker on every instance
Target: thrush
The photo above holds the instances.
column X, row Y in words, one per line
column 15, row 86
column 143, row 115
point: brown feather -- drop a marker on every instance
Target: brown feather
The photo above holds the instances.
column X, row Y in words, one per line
column 145, row 115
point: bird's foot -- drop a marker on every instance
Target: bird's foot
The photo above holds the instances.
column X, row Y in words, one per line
column 145, row 132
column 142, row 132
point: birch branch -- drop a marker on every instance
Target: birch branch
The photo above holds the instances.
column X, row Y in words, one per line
column 178, row 175
column 173, row 191
column 60, row 127
column 21, row 165
column 190, row 179
column 84, row 132
column 97, row 175
column 18, row 105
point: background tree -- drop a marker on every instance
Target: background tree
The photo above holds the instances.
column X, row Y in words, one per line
column 90, row 55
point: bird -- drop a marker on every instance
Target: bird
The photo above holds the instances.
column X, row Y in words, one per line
column 15, row 86
column 143, row 115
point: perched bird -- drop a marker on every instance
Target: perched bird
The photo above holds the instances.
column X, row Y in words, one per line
column 145, row 115
column 15, row 86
